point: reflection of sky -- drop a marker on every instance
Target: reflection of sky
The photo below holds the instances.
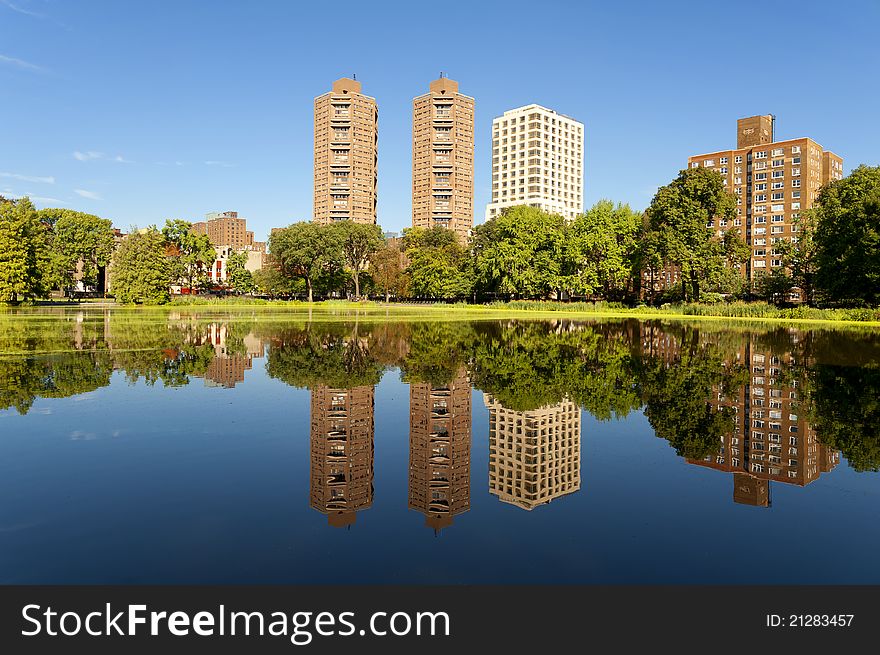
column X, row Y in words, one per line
column 200, row 484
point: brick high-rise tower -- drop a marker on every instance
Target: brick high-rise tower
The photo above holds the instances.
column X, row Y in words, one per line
column 443, row 158
column 346, row 136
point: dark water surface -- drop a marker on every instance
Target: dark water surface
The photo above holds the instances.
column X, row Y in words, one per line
column 199, row 447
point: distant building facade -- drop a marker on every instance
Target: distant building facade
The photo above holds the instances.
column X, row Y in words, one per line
column 537, row 160
column 440, row 450
column 227, row 229
column 346, row 145
column 229, row 234
column 534, row 456
column 341, row 473
column 443, row 159
column 774, row 183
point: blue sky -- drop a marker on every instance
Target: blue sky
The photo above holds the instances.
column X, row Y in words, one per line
column 142, row 111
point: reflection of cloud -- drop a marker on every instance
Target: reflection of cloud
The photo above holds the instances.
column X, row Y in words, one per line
column 79, row 435
column 91, row 195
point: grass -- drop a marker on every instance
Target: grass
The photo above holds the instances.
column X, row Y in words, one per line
column 259, row 309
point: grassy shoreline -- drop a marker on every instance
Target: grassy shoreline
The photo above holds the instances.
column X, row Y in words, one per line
column 754, row 313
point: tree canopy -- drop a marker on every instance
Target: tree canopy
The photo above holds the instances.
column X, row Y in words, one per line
column 140, row 271
column 602, row 247
column 439, row 266
column 305, row 250
column 357, row 243
column 680, row 214
column 847, row 239
column 519, row 253
column 193, row 255
column 78, row 243
column 23, row 252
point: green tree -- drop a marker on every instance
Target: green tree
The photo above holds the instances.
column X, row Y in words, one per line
column 76, row 241
column 387, row 269
column 799, row 255
column 305, row 250
column 648, row 261
column 847, row 239
column 520, row 253
column 238, row 277
column 773, row 287
column 358, row 242
column 272, row 282
column 194, row 254
column 439, row 266
column 140, row 271
column 23, row 251
column 602, row 248
column 680, row 213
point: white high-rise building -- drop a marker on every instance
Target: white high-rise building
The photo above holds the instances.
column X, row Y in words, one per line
column 537, row 160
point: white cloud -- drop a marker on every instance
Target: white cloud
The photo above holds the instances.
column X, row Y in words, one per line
column 47, row 201
column 21, row 10
column 29, row 178
column 224, row 164
column 88, row 155
column 91, row 195
column 21, row 63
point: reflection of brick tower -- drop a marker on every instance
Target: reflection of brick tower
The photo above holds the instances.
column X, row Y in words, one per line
column 534, row 456
column 748, row 490
column 440, row 450
column 341, row 452
column 772, row 440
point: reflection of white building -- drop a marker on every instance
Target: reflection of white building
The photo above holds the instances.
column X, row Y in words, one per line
column 534, row 456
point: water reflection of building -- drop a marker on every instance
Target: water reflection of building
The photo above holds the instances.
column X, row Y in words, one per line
column 227, row 368
column 772, row 440
column 534, row 456
column 440, row 450
column 341, row 475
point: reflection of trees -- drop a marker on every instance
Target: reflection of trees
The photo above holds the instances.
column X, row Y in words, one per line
column 845, row 411
column 54, row 376
column 534, row 364
column 68, row 353
column 677, row 390
column 436, row 351
column 334, row 355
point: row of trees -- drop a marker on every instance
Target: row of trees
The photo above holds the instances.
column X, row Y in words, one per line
column 49, row 249
column 606, row 253
column 526, row 252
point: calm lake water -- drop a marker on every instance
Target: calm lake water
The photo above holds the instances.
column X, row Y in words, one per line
column 248, row 447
